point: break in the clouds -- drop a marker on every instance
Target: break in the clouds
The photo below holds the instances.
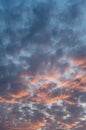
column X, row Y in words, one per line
column 42, row 65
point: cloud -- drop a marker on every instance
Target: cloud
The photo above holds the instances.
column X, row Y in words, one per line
column 71, row 13
column 78, row 55
column 11, row 89
column 42, row 64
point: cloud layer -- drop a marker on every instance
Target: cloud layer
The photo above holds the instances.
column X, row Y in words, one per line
column 42, row 65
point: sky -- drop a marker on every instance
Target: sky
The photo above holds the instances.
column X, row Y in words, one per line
column 42, row 64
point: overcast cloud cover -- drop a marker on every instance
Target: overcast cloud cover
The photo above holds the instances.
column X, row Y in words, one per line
column 42, row 64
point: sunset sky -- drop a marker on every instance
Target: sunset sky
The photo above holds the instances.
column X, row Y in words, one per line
column 42, row 64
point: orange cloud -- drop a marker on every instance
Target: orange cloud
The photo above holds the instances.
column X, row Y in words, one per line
column 55, row 99
column 27, row 125
column 37, row 125
column 68, row 126
column 52, row 76
column 81, row 62
column 20, row 94
column 77, row 82
column 45, row 96
column 3, row 100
